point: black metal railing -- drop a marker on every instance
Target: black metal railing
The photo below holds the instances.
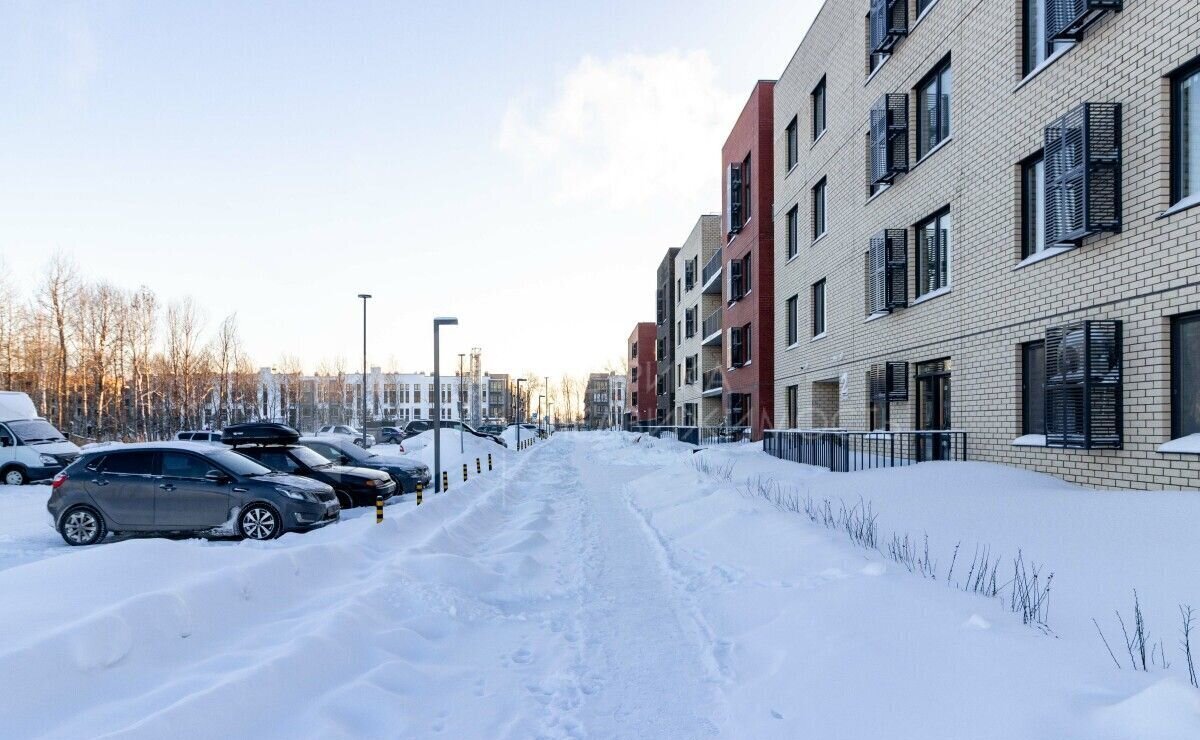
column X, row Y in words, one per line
column 711, row 268
column 712, row 324
column 844, row 451
column 702, row 436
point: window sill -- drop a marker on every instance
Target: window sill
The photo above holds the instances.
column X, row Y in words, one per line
column 792, row 168
column 921, row 17
column 820, row 236
column 1030, row 440
column 931, row 295
column 822, row 335
column 882, row 189
column 792, row 346
column 792, row 259
column 1189, row 445
column 819, row 137
column 1189, row 202
column 1045, row 254
column 936, row 148
column 1045, row 63
column 875, row 316
column 883, row 62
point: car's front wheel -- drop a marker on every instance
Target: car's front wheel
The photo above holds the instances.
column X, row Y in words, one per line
column 260, row 522
column 344, row 500
column 15, row 477
column 82, row 526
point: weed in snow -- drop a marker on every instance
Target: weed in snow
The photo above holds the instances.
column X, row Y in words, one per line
column 719, row 471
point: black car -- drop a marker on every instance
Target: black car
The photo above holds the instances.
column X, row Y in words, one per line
column 415, row 427
column 391, row 435
column 276, row 447
column 405, row 471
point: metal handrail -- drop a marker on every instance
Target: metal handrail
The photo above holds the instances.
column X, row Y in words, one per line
column 843, row 451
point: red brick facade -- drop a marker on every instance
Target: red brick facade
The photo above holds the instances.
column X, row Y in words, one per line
column 641, row 402
column 752, row 138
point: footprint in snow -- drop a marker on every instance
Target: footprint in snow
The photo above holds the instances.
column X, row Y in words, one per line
column 522, row 657
column 776, row 715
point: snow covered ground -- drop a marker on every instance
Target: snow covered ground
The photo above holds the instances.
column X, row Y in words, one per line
column 610, row 585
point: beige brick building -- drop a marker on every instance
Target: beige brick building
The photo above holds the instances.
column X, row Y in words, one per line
column 697, row 352
column 970, row 291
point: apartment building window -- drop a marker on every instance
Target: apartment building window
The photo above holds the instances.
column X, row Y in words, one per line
column 933, row 108
column 747, row 203
column 689, row 324
column 678, row 374
column 818, row 308
column 633, row 350
column 923, row 5
column 792, row 415
column 793, row 234
column 818, row 210
column 690, row 369
column 793, row 143
column 633, row 398
column 633, row 371
column 739, row 409
column 818, row 109
column 1185, row 134
column 1033, row 200
column 678, row 290
column 739, row 346
column 1037, row 46
column 1033, row 388
column 933, row 253
column 791, row 319
column 678, row 333
column 661, row 384
column 739, row 278
column 1185, row 375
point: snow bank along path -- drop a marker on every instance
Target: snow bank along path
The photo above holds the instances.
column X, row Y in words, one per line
column 597, row 585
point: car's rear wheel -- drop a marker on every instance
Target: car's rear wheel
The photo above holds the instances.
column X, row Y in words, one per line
column 260, row 522
column 15, row 477
column 344, row 500
column 82, row 526
column 358, row 441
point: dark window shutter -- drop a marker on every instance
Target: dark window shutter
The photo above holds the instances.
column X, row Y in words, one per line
column 735, row 346
column 889, row 137
column 889, row 24
column 1082, row 164
column 897, row 268
column 896, row 381
column 1067, row 19
column 1083, row 390
column 735, row 198
column 877, row 266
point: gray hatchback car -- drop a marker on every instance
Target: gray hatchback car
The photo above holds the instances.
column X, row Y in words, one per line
column 182, row 487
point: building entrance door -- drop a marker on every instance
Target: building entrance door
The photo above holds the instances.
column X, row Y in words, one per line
column 933, row 409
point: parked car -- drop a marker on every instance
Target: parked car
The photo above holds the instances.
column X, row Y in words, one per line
column 405, row 471
column 415, row 427
column 392, row 436
column 341, row 430
column 277, row 447
column 182, row 487
column 492, row 429
column 31, row 449
column 207, row 437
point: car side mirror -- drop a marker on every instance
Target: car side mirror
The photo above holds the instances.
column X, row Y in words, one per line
column 344, row 460
column 216, row 476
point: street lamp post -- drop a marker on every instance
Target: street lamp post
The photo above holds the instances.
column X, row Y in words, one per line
column 549, row 405
column 518, row 414
column 364, row 297
column 541, row 397
column 438, row 323
column 461, row 420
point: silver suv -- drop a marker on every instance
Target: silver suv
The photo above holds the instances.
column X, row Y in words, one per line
column 182, row 487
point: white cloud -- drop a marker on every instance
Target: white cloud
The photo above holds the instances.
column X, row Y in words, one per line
column 626, row 131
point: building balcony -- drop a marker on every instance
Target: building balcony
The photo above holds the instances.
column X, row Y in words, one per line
column 711, row 275
column 714, row 383
column 710, row 332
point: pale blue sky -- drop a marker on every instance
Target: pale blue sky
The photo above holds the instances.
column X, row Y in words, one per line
column 472, row 158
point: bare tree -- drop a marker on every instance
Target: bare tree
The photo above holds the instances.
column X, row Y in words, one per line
column 58, row 294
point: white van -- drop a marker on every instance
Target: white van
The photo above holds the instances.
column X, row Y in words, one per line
column 30, row 447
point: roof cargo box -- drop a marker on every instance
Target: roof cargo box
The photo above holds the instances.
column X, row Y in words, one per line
column 259, row 433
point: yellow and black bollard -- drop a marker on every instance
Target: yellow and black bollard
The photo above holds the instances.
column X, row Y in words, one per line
column 489, row 461
column 445, row 481
column 420, row 493
column 478, row 468
column 464, row 472
column 378, row 509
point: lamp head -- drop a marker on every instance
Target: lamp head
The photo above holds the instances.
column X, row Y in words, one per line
column 445, row 321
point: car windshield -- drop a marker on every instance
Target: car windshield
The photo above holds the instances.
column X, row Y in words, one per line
column 309, row 458
column 35, row 431
column 238, row 464
column 354, row 452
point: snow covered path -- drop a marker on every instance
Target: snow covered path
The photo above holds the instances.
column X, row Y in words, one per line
column 593, row 586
